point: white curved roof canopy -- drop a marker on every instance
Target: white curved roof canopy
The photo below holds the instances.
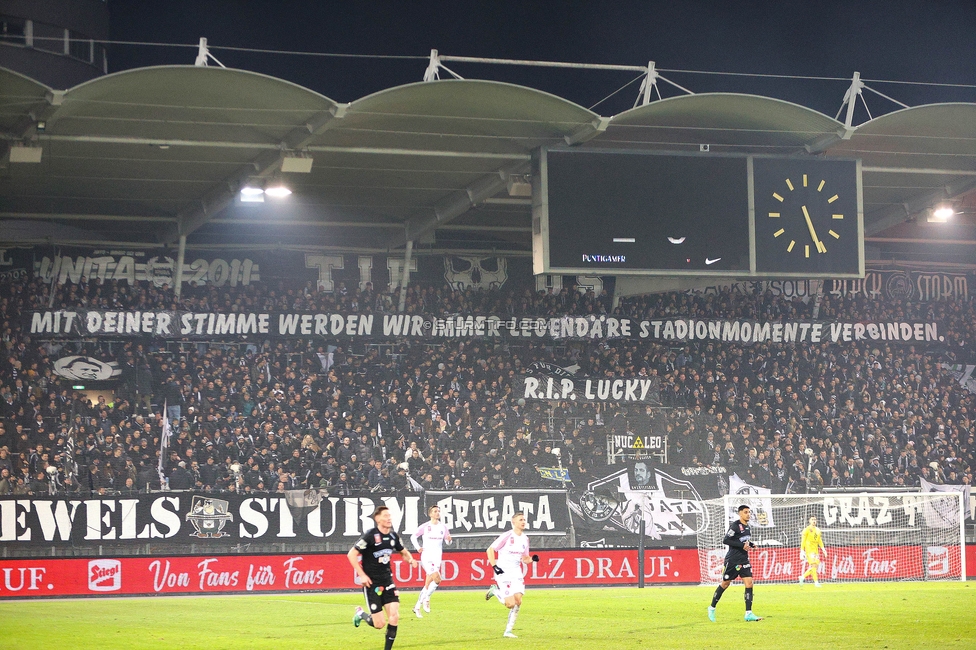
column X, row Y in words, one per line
column 143, row 156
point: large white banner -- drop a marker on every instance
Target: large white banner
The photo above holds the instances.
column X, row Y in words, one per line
column 963, row 373
column 950, row 515
column 754, row 496
column 185, row 324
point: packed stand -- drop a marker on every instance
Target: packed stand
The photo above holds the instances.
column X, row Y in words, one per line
column 299, row 414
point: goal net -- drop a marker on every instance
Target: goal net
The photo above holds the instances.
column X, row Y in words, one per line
column 868, row 537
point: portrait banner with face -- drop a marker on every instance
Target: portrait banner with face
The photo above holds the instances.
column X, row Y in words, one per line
column 667, row 500
column 82, row 368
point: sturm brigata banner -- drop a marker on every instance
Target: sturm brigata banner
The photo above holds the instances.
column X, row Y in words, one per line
column 296, row 516
column 175, row 325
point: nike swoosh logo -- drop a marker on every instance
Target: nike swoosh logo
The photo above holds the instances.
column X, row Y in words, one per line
column 711, row 261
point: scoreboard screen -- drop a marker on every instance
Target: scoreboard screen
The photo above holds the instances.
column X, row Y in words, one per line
column 639, row 211
column 652, row 213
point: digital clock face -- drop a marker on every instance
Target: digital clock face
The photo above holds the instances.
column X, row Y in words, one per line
column 806, row 217
column 639, row 212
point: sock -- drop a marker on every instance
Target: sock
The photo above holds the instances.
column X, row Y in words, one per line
column 512, row 615
column 748, row 599
column 810, row 571
column 498, row 595
column 421, row 597
column 718, row 595
column 390, row 636
column 813, row 574
column 368, row 618
column 430, row 589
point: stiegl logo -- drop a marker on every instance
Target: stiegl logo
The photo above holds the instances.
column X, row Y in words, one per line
column 104, row 575
column 938, row 564
column 605, row 259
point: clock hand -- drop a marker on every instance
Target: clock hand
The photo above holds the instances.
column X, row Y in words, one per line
column 813, row 233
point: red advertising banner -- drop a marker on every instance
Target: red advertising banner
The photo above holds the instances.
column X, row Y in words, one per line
column 319, row 572
column 855, row 563
column 229, row 574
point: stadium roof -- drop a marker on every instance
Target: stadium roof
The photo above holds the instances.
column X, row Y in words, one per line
column 143, row 156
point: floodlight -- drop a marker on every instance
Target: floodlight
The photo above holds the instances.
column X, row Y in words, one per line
column 252, row 194
column 941, row 213
column 277, row 190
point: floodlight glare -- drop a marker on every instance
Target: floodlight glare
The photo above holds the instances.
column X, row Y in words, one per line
column 277, row 191
column 251, row 194
column 943, row 212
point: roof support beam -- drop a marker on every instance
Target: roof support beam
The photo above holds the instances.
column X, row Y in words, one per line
column 265, row 165
column 487, row 228
column 504, row 201
column 309, row 222
column 352, row 250
column 919, row 170
column 457, row 203
column 588, row 131
column 44, row 216
column 824, row 142
column 277, row 147
column 913, row 240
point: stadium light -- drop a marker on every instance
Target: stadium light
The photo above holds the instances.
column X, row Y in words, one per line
column 941, row 213
column 252, row 194
column 277, row 190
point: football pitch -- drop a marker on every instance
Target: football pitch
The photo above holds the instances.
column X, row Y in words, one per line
column 886, row 615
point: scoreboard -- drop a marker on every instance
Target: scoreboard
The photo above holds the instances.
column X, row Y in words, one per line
column 651, row 213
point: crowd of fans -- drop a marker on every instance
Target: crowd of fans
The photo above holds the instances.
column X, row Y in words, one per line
column 273, row 415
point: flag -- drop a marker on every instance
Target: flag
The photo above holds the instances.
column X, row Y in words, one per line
column 414, row 485
column 163, row 445
column 555, row 474
column 943, row 515
column 963, row 373
column 754, row 496
column 302, row 502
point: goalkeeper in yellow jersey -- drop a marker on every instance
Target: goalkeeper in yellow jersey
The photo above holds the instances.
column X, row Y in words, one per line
column 811, row 548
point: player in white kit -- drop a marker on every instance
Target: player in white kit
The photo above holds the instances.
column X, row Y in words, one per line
column 506, row 556
column 429, row 539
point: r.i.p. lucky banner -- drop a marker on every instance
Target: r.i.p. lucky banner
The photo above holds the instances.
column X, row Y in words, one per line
column 642, row 390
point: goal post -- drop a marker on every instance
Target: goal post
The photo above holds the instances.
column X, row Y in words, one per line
column 869, row 537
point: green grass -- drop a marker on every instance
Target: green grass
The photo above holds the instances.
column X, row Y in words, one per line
column 892, row 615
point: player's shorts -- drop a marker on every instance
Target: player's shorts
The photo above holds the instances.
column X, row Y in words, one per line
column 379, row 594
column 813, row 558
column 733, row 571
column 509, row 586
column 430, row 565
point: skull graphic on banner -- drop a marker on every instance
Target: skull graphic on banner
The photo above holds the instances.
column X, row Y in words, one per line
column 475, row 272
